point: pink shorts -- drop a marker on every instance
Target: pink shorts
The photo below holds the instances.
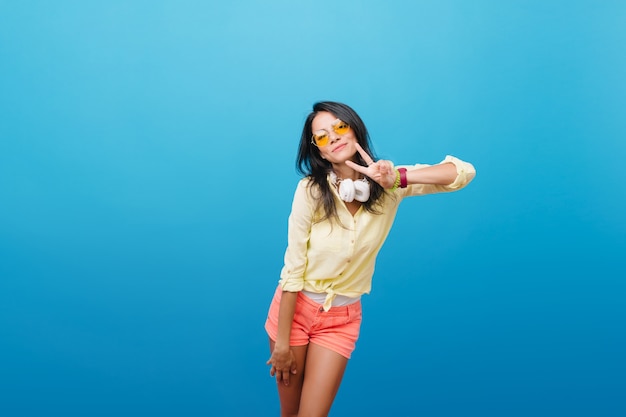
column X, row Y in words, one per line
column 336, row 329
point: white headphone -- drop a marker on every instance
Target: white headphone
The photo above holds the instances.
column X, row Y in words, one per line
column 349, row 190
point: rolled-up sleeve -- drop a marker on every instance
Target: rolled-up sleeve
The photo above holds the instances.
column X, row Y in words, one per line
column 299, row 231
column 465, row 173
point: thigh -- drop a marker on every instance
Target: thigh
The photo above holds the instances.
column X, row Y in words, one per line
column 324, row 371
column 289, row 395
column 338, row 329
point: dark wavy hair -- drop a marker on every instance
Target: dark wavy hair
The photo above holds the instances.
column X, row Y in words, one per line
column 311, row 164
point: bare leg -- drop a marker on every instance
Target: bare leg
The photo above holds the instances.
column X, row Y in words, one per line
column 324, row 372
column 290, row 394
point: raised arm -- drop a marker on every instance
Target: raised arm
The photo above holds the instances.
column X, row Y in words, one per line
column 450, row 175
column 442, row 174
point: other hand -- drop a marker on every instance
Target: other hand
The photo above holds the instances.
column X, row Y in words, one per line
column 283, row 364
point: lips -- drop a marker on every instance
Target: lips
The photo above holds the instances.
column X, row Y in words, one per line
column 340, row 147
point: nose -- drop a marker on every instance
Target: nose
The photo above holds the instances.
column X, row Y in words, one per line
column 333, row 137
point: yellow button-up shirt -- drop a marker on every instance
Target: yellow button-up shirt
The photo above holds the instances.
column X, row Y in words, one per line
column 339, row 258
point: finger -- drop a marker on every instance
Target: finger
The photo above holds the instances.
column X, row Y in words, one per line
column 357, row 167
column 386, row 168
column 285, row 376
column 368, row 159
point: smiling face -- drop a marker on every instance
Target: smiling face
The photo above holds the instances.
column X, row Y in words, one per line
column 340, row 147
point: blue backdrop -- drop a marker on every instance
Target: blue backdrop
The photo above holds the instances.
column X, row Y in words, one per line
column 147, row 156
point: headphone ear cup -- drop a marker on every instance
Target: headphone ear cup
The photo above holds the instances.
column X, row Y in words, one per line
column 347, row 190
column 362, row 191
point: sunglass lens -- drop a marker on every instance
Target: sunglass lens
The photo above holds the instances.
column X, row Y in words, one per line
column 341, row 128
column 321, row 140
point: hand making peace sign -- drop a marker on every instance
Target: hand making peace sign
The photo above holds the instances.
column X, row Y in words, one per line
column 380, row 171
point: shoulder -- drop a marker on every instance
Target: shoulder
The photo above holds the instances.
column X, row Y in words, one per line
column 305, row 189
column 305, row 182
column 308, row 185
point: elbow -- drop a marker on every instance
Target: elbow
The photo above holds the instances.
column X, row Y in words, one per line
column 471, row 175
column 468, row 171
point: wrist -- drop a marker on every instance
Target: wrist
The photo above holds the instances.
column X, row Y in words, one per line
column 396, row 183
column 403, row 180
column 281, row 347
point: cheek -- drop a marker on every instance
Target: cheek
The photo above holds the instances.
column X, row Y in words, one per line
column 325, row 151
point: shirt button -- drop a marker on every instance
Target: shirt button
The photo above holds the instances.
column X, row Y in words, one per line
column 348, row 261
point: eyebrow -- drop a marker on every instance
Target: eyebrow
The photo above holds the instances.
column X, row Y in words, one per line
column 334, row 123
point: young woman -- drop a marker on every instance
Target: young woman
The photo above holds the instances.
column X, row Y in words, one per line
column 342, row 211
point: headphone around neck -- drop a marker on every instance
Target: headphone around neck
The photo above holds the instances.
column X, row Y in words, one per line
column 350, row 190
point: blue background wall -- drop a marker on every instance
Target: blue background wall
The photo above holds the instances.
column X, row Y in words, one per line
column 146, row 172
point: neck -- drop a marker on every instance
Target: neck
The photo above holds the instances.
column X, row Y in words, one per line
column 344, row 172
